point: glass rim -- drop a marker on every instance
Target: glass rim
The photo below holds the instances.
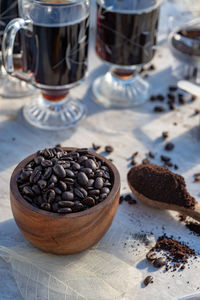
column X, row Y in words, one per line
column 158, row 4
column 67, row 3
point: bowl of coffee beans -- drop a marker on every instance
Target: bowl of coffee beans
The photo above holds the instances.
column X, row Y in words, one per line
column 64, row 199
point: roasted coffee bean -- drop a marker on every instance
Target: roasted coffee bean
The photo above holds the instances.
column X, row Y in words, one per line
column 38, row 200
column 151, row 256
column 54, row 161
column 59, row 171
column 94, row 192
column 106, row 175
column 66, row 204
column 62, row 185
column 42, row 184
column 53, row 179
column 160, row 98
column 109, row 149
column 159, row 109
column 89, row 201
column 51, row 186
column 76, row 166
column 82, row 159
column 77, row 207
column 165, row 158
column 69, row 181
column 107, row 184
column 67, row 196
column 82, row 179
column 69, row 173
column 88, row 172
column 98, row 173
column 78, row 193
column 98, row 184
column 95, row 147
column 105, row 190
column 26, row 175
column 90, row 182
column 173, row 88
column 35, row 176
column 38, row 160
column 65, row 210
column 89, row 163
column 28, row 191
column 58, row 191
column 165, row 134
column 148, row 279
column 105, row 168
column 46, row 206
column 55, row 207
column 169, row 146
column 83, row 191
column 47, row 173
column 51, row 194
column 36, row 189
column 103, row 196
column 66, row 165
column 46, row 163
column 159, row 262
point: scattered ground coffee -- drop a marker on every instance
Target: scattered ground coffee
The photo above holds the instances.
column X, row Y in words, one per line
column 159, row 184
column 176, row 254
column 64, row 182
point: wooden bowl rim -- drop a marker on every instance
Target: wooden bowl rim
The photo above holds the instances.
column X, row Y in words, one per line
column 18, row 197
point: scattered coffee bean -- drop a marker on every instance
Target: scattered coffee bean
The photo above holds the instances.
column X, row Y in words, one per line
column 169, row 146
column 64, row 182
column 151, row 67
column 193, row 98
column 160, row 98
column 173, row 88
column 95, row 147
column 133, row 162
column 109, row 149
column 171, row 97
column 196, row 112
column 151, row 256
column 148, row 279
column 159, row 109
column 181, row 101
column 152, row 98
column 165, row 134
column 165, row 158
column 151, row 154
column 172, row 106
column 159, row 262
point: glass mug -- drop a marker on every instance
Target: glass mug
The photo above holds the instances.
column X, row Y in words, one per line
column 126, row 37
column 55, row 51
column 11, row 87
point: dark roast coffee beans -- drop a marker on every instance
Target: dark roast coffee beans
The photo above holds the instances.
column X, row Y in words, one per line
column 65, row 182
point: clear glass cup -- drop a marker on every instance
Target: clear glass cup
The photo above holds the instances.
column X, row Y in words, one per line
column 55, row 50
column 11, row 87
column 126, row 37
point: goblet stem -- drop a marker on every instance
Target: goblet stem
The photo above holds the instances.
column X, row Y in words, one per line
column 121, row 88
column 53, row 112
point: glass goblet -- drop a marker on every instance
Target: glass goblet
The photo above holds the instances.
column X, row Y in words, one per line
column 55, row 52
column 126, row 36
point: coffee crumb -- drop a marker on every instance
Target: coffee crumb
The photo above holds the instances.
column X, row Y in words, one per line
column 152, row 98
column 160, row 98
column 146, row 161
column 173, row 88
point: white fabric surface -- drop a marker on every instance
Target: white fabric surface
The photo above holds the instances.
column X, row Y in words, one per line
column 128, row 131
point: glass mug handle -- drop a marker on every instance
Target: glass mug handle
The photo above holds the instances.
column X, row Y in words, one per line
column 8, row 47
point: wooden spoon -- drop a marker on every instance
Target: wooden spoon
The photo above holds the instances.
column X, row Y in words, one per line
column 192, row 212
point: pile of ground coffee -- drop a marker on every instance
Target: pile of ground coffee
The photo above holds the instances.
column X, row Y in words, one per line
column 159, row 184
column 65, row 181
column 176, row 253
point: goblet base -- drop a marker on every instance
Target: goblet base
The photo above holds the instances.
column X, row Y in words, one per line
column 116, row 91
column 15, row 88
column 50, row 115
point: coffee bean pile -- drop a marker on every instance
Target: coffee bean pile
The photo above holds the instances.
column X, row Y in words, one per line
column 65, row 182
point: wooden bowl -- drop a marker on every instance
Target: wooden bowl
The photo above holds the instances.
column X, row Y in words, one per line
column 64, row 234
